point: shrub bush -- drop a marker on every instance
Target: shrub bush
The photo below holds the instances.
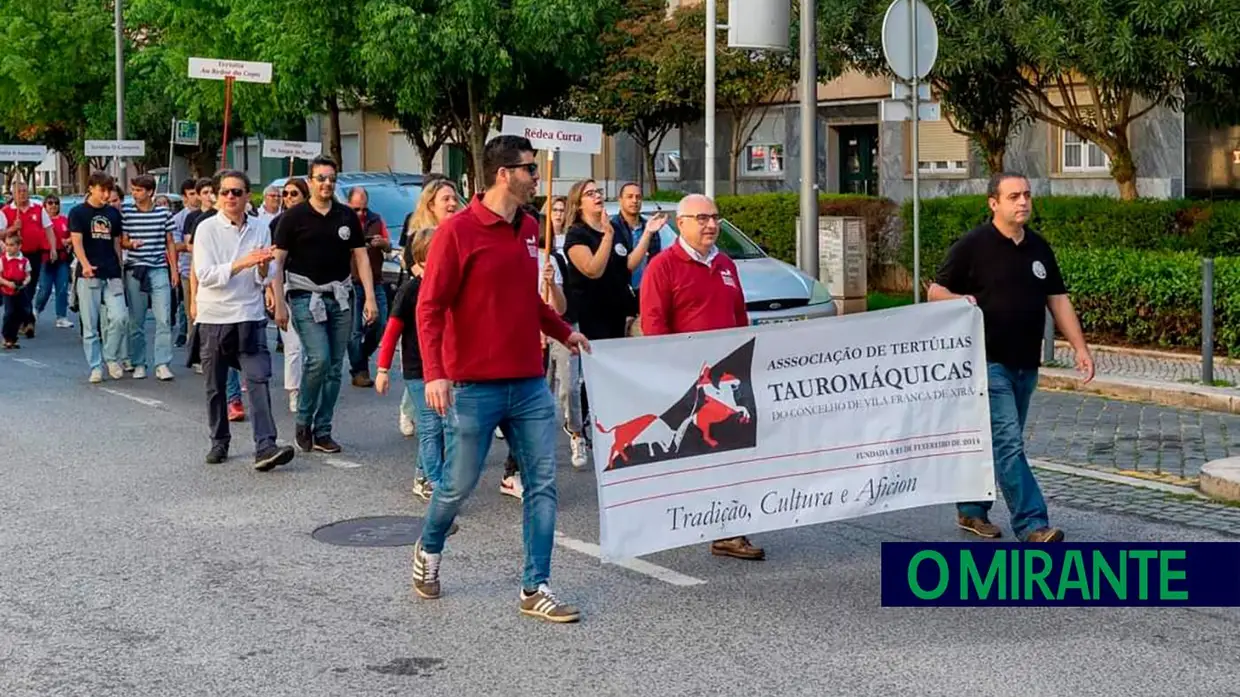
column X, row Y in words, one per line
column 1151, row 298
column 1083, row 222
column 771, row 220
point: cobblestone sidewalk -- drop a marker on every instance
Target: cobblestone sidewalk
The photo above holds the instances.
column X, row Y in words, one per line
column 1088, row 431
column 1080, row 492
column 1117, row 364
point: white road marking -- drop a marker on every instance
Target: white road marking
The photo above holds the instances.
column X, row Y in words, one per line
column 342, row 464
column 30, row 362
column 145, row 401
column 1117, row 478
column 642, row 567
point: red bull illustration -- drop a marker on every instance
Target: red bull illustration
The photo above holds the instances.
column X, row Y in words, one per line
column 716, row 414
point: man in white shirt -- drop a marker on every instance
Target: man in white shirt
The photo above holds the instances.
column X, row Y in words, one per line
column 232, row 260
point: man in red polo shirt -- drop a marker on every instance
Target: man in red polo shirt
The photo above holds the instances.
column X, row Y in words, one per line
column 29, row 220
column 479, row 322
column 694, row 287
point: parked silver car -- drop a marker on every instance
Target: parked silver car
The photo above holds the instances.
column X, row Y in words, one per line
column 775, row 291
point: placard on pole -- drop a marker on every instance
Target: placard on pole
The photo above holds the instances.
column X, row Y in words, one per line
column 554, row 136
column 229, row 71
column 292, row 149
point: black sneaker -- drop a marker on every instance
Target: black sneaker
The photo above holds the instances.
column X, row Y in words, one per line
column 217, row 455
column 273, row 457
column 325, row 444
column 305, row 438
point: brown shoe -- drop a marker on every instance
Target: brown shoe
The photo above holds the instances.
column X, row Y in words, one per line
column 363, row 380
column 737, row 547
column 1045, row 535
column 979, row 526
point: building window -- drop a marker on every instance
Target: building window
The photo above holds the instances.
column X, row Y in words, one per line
column 667, row 164
column 1080, row 155
column 943, row 167
column 764, row 159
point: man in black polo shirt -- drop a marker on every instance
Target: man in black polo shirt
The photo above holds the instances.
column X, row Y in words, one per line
column 317, row 242
column 1010, row 272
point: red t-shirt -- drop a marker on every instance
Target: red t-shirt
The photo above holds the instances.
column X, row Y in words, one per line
column 34, row 220
column 15, row 269
column 60, row 227
column 680, row 294
column 479, row 313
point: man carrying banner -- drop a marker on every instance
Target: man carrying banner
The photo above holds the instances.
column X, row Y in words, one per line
column 694, row 287
column 1010, row 272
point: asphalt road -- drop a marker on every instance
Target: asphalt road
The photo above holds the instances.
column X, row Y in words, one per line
column 132, row 568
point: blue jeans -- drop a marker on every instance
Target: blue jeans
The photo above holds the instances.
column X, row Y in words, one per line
column 525, row 412
column 432, row 449
column 94, row 294
column 181, row 328
column 160, row 299
column 365, row 339
column 323, row 348
column 55, row 278
column 232, row 386
column 1010, row 392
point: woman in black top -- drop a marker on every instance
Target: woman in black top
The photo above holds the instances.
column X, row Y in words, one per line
column 598, row 280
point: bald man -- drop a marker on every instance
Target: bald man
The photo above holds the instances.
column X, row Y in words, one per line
column 694, row 287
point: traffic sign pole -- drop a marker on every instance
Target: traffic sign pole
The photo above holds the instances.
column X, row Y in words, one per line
column 912, row 21
column 172, row 149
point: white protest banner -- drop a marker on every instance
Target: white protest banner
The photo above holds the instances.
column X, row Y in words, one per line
column 712, row 435
column 565, row 136
column 115, row 148
column 241, row 71
column 292, row 148
column 22, row 153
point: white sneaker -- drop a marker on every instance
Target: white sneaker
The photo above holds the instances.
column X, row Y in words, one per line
column 406, row 425
column 163, row 373
column 511, row 486
column 139, row 372
column 96, row 376
column 581, row 457
column 292, row 401
column 63, row 323
column 128, row 366
column 498, row 433
column 116, row 371
column 198, row 368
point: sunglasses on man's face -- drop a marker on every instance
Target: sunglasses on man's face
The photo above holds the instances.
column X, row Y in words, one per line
column 232, row 193
column 325, row 178
column 530, row 168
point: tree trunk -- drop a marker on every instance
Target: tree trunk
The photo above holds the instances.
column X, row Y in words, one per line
column 654, row 181
column 333, row 135
column 1123, row 168
column 734, row 158
column 427, row 156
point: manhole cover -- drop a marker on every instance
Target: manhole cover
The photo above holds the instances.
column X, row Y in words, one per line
column 375, row 531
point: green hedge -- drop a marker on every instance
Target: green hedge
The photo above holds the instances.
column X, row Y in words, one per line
column 1151, row 298
column 1084, row 222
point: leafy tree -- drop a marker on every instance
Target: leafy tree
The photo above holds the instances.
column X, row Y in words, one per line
column 55, row 57
column 629, row 92
column 747, row 83
column 1094, row 67
column 487, row 58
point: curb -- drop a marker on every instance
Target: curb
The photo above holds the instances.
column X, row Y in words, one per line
column 1150, row 353
column 1149, row 391
column 1127, row 479
column 1221, row 479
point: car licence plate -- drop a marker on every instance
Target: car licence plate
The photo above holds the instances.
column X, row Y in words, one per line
column 780, row 320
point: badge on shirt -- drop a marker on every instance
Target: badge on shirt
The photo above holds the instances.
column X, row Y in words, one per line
column 727, row 278
column 621, row 250
column 1039, row 270
column 344, row 232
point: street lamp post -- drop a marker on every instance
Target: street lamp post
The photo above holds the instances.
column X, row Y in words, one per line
column 809, row 141
column 120, row 85
column 712, row 35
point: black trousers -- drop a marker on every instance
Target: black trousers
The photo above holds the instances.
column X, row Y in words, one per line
column 16, row 314
column 242, row 346
column 37, row 259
